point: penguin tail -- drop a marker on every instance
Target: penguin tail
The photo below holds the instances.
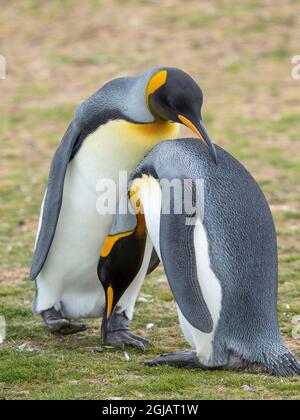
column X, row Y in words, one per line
column 281, row 363
column 270, row 355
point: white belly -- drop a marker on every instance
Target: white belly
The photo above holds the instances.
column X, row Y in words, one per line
column 151, row 198
column 69, row 278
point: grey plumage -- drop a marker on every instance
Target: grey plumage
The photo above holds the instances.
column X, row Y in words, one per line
column 243, row 254
column 53, row 200
column 122, row 98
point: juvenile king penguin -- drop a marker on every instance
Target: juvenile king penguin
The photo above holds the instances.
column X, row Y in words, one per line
column 111, row 132
column 217, row 242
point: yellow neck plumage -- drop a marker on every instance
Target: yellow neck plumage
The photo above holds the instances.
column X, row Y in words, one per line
column 154, row 133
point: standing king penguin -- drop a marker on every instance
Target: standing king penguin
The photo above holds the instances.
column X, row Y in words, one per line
column 111, row 132
column 218, row 246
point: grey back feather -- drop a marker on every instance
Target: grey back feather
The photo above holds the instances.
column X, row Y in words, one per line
column 123, row 98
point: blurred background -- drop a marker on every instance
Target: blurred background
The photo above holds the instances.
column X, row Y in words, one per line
column 58, row 53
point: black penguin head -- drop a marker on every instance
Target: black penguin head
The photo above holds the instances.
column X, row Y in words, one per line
column 172, row 95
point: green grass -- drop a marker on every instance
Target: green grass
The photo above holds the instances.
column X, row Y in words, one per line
column 62, row 52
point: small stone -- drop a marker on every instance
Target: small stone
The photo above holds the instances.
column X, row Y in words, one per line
column 142, row 300
column 24, row 393
column 21, row 212
column 162, row 280
column 247, row 388
column 27, row 347
column 139, row 395
column 24, row 229
column 22, row 347
column 94, row 349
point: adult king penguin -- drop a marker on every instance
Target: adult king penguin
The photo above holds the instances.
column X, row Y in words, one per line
column 217, row 242
column 111, row 132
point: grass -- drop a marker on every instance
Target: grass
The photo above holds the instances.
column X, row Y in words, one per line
column 62, row 52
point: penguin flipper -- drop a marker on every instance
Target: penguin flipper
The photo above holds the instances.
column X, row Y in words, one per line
column 54, row 196
column 181, row 268
column 174, row 242
column 179, row 259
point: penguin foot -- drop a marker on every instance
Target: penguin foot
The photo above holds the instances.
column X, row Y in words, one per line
column 125, row 338
column 117, row 334
column 185, row 359
column 58, row 325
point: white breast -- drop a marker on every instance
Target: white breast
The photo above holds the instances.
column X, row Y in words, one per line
column 212, row 293
column 69, row 278
column 151, row 197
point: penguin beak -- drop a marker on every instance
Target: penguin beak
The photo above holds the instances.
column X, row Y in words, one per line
column 109, row 302
column 198, row 128
column 110, row 306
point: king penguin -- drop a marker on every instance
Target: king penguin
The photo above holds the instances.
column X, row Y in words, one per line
column 111, row 132
column 214, row 233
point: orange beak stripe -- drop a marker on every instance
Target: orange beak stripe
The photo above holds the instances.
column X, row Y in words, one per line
column 110, row 300
column 190, row 125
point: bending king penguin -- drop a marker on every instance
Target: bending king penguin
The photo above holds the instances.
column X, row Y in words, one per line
column 111, row 132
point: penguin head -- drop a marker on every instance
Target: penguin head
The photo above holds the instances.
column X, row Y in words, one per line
column 172, row 95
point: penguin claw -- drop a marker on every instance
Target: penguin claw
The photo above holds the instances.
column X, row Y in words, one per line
column 185, row 359
column 116, row 333
column 143, row 340
column 121, row 339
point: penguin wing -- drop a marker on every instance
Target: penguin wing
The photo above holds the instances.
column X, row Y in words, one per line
column 173, row 239
column 179, row 259
column 121, row 98
column 53, row 198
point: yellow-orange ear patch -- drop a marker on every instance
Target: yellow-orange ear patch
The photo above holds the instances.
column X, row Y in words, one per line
column 111, row 241
column 156, row 82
